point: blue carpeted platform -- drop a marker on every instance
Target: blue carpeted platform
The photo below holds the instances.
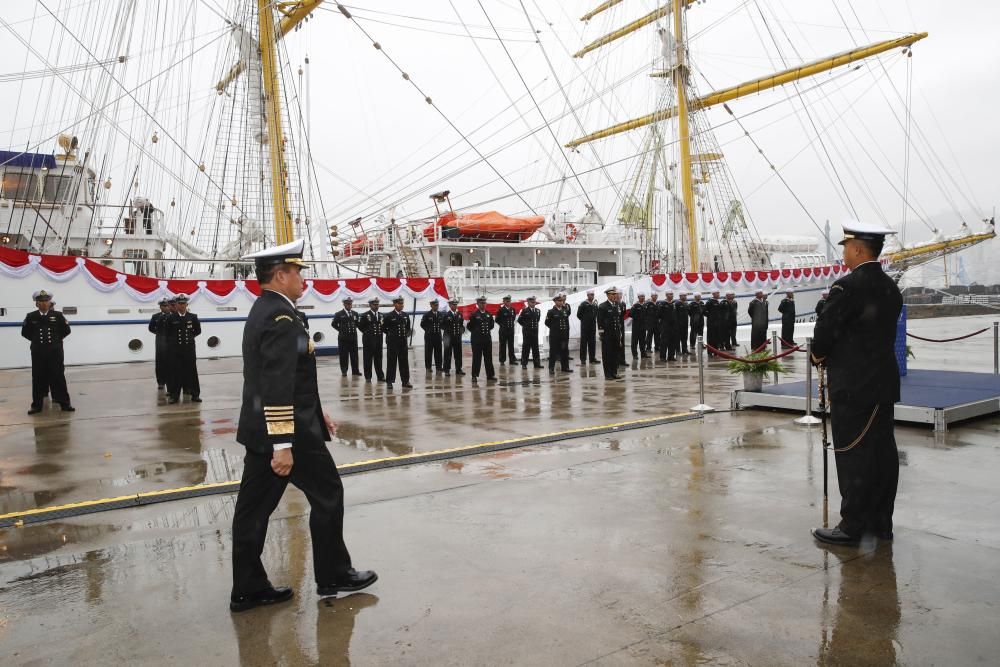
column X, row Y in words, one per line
column 924, row 389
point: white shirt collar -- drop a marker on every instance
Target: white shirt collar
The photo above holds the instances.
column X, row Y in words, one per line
column 290, row 302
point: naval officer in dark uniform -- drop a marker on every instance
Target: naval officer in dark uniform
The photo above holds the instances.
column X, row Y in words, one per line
column 586, row 312
column 528, row 319
column 480, row 326
column 284, row 428
column 346, row 324
column 821, row 304
column 610, row 324
column 787, row 310
column 731, row 320
column 372, row 326
column 397, row 340
column 666, row 320
column 453, row 325
column 158, row 326
column 758, row 320
column 696, row 316
column 430, row 322
column 855, row 340
column 557, row 321
column 46, row 328
column 183, row 327
column 506, row 317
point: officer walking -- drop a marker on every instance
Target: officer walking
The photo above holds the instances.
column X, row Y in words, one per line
column 610, row 325
column 787, row 310
column 505, row 318
column 696, row 315
column 638, row 314
column 346, row 324
column 667, row 320
column 46, row 328
column 652, row 322
column 284, row 428
column 430, row 322
column 557, row 321
column 855, row 339
column 528, row 319
column 480, row 326
column 454, row 327
column 758, row 320
column 729, row 332
column 183, row 327
column 372, row 327
column 397, row 338
column 158, row 326
column 586, row 312
column 681, row 324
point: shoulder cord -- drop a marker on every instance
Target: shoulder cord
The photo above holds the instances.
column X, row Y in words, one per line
column 857, row 441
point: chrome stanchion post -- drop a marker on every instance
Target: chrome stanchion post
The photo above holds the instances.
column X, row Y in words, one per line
column 808, row 419
column 774, row 351
column 701, row 407
column 996, row 348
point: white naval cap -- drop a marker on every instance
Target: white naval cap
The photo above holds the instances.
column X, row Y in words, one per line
column 865, row 231
column 288, row 253
column 41, row 295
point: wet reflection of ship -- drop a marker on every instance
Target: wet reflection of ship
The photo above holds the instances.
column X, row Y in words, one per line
column 376, row 437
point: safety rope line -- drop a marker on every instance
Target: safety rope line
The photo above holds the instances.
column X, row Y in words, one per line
column 786, row 344
column 747, row 360
column 946, row 340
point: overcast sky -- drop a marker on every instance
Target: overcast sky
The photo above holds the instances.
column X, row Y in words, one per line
column 380, row 147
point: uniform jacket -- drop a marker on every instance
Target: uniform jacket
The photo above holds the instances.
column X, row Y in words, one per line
column 586, row 312
column 787, row 309
column 696, row 313
column 820, row 305
column 506, row 316
column 158, row 323
column 45, row 330
column 734, row 312
column 856, row 335
column 397, row 326
column 372, row 325
column 638, row 314
column 430, row 322
column 528, row 319
column 652, row 314
column 681, row 314
column 453, row 323
column 758, row 313
column 667, row 315
column 182, row 330
column 557, row 320
column 480, row 324
column 346, row 324
column 712, row 311
column 609, row 319
column 280, row 395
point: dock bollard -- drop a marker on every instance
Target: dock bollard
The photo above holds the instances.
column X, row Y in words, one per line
column 808, row 419
column 996, row 348
column 701, row 407
column 774, row 351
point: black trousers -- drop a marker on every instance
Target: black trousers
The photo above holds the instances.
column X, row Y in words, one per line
column 482, row 355
column 48, row 373
column 788, row 329
column 348, row 350
column 868, row 473
column 371, row 353
column 653, row 338
column 757, row 336
column 681, row 338
column 693, row 338
column 162, row 364
column 315, row 474
column 588, row 342
column 183, row 373
column 668, row 343
column 639, row 339
column 610, row 346
column 529, row 347
column 432, row 351
column 731, row 342
column 452, row 351
column 622, row 361
column 559, row 351
column 397, row 356
column 507, row 345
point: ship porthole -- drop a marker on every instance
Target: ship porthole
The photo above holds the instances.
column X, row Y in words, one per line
column 213, row 341
column 135, row 345
column 318, row 337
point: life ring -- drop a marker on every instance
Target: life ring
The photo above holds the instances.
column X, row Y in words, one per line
column 571, row 231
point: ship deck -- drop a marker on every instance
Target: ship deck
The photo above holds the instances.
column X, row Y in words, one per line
column 676, row 543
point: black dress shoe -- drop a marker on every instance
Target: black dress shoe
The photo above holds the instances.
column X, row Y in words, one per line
column 407, row 385
column 259, row 599
column 491, row 378
column 459, row 372
column 351, row 581
column 567, row 370
column 835, row 536
column 66, row 407
column 196, row 399
column 356, row 374
column 595, row 361
column 34, row 409
column 172, row 400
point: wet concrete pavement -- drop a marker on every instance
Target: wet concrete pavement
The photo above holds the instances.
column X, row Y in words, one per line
column 681, row 544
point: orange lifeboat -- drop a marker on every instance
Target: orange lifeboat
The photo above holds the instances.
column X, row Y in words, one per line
column 361, row 244
column 488, row 226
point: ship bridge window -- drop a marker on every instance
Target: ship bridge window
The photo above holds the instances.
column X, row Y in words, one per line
column 455, row 259
column 16, row 185
column 133, row 263
column 57, row 189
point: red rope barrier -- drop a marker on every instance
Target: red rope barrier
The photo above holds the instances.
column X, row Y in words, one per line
column 946, row 340
column 726, row 355
column 788, row 345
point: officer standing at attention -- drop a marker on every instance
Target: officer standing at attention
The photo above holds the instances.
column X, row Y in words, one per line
column 696, row 314
column 430, row 322
column 346, row 324
column 855, row 340
column 454, row 327
column 46, row 328
column 713, row 319
column 622, row 309
column 787, row 310
column 528, row 319
column 182, row 328
column 652, row 325
column 638, row 314
column 758, row 320
column 506, row 316
column 284, row 428
column 821, row 304
column 372, row 327
column 586, row 312
column 158, row 326
column 397, row 338
column 729, row 332
column 667, row 320
column 611, row 326
column 681, row 311
column 557, row 321
column 480, row 326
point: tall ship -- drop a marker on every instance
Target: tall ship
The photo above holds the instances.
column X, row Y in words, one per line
column 156, row 159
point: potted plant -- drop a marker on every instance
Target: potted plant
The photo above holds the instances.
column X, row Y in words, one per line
column 753, row 373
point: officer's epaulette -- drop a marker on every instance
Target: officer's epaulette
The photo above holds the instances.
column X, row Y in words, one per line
column 835, row 286
column 278, row 318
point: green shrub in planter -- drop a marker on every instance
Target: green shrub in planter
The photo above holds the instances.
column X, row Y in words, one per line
column 743, row 367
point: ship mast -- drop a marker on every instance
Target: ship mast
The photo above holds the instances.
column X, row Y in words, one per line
column 684, row 138
column 283, row 232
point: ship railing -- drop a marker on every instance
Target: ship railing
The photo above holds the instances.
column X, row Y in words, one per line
column 490, row 278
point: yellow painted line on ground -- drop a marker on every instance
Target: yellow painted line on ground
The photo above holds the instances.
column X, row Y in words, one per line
column 348, row 466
